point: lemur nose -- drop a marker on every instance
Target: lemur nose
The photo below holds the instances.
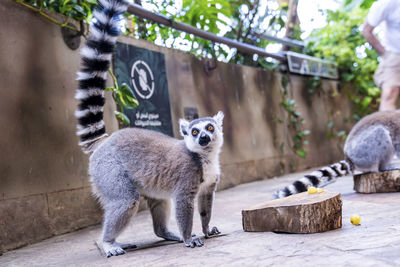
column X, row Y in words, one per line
column 204, row 139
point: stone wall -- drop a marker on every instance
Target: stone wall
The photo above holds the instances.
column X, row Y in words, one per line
column 44, row 187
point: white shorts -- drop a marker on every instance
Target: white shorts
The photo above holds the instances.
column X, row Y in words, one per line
column 388, row 73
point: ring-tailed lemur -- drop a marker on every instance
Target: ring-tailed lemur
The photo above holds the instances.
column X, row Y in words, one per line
column 133, row 162
column 372, row 145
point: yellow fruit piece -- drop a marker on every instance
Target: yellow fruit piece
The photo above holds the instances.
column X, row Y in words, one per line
column 320, row 190
column 355, row 219
column 312, row 190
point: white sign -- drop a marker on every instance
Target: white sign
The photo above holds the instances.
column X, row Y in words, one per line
column 142, row 79
column 307, row 65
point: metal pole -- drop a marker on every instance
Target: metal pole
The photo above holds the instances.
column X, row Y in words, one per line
column 159, row 18
column 284, row 41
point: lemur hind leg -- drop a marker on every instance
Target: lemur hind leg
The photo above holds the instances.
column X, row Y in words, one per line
column 397, row 149
column 373, row 150
column 116, row 217
column 120, row 201
column 387, row 151
column 394, row 164
column 160, row 212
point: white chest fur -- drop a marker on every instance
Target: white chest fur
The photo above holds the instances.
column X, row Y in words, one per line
column 211, row 172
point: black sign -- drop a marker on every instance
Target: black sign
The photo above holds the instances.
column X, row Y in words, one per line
column 145, row 72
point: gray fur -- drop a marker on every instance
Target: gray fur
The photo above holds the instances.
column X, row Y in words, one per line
column 135, row 162
column 374, row 141
column 372, row 145
column 205, row 202
column 160, row 212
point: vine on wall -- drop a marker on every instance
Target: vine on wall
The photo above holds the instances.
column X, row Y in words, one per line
column 294, row 121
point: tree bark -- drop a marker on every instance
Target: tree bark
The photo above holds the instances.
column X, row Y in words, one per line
column 377, row 182
column 292, row 21
column 300, row 213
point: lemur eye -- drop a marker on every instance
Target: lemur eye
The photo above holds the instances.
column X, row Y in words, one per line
column 210, row 128
column 195, row 132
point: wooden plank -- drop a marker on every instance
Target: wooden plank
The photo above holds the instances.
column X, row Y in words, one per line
column 300, row 213
column 377, row 182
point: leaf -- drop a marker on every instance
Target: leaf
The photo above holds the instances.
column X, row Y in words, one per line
column 126, row 97
column 301, row 153
column 125, row 120
column 284, row 81
column 366, row 101
column 79, row 9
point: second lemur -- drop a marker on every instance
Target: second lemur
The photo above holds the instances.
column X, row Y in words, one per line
column 372, row 145
column 135, row 162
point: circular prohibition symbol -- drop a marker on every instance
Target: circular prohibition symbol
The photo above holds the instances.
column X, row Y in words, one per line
column 142, row 79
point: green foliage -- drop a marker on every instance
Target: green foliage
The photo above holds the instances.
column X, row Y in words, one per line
column 342, row 42
column 124, row 96
column 234, row 19
column 295, row 121
column 351, row 4
column 78, row 10
column 122, row 118
column 332, row 133
column 204, row 13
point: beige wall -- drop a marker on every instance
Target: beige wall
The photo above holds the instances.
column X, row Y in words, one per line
column 44, row 188
column 250, row 99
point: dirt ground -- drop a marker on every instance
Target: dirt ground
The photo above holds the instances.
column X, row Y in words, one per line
column 376, row 242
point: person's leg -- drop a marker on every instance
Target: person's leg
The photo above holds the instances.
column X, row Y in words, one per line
column 388, row 97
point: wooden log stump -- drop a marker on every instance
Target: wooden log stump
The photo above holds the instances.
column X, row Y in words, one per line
column 377, row 182
column 300, row 213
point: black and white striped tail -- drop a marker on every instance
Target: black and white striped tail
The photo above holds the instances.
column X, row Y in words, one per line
column 319, row 178
column 96, row 58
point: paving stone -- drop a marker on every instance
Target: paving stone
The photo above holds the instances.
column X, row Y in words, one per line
column 376, row 242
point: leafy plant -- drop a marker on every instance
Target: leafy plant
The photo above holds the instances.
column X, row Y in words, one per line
column 342, row 42
column 75, row 9
column 124, row 96
column 294, row 121
column 235, row 19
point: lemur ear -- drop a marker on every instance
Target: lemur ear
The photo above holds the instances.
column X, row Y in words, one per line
column 183, row 124
column 219, row 118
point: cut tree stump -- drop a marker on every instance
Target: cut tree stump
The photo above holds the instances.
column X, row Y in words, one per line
column 300, row 213
column 377, row 182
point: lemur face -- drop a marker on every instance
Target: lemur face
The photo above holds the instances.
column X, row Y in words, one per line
column 202, row 134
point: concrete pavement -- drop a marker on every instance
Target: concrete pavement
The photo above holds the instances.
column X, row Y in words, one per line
column 376, row 242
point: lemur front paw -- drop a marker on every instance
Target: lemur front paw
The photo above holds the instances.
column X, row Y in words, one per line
column 194, row 242
column 214, row 231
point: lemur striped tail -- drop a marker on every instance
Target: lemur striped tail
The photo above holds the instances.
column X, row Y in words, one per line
column 319, row 178
column 96, row 58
